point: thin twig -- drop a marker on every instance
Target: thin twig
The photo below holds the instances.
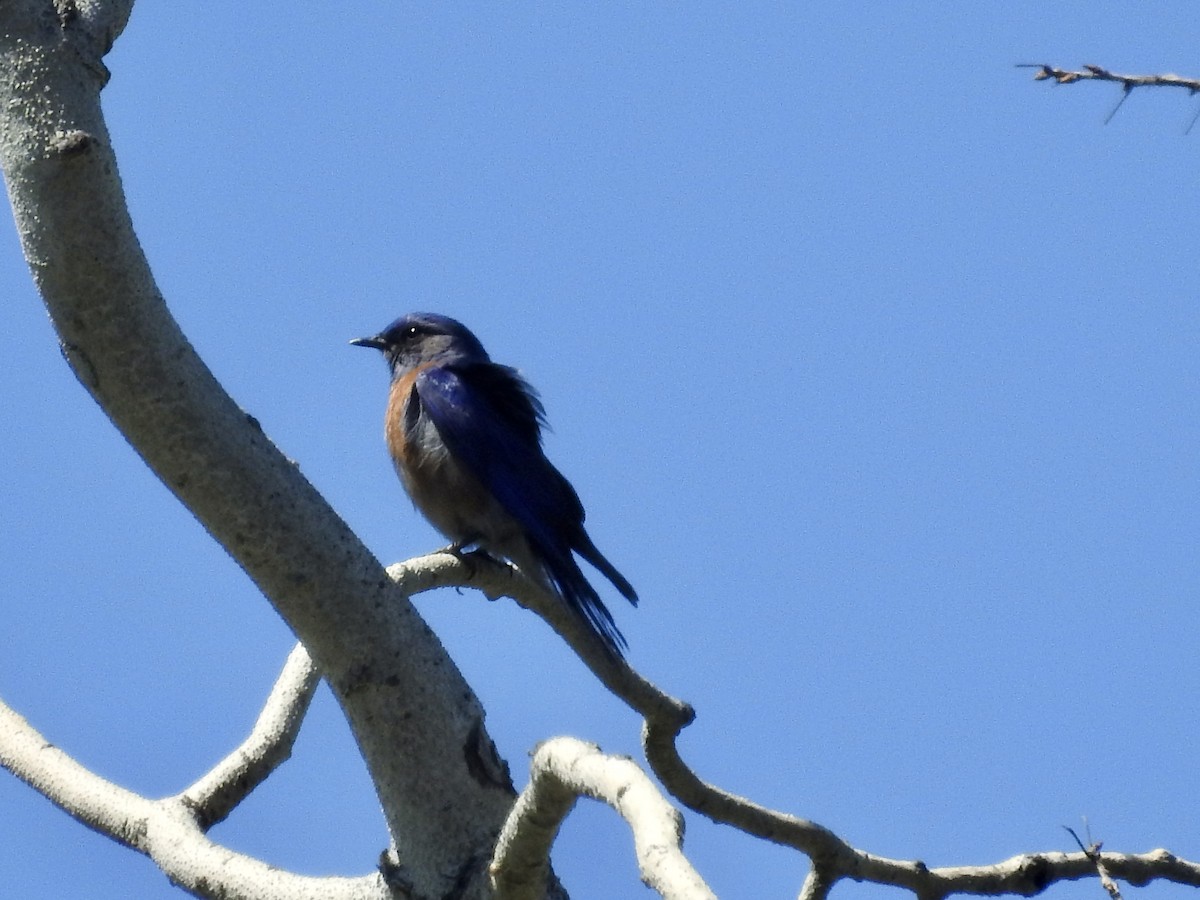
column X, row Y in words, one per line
column 1099, row 73
column 1128, row 82
column 1092, row 851
column 833, row 858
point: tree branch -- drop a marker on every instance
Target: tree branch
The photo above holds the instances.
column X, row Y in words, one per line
column 269, row 744
column 444, row 791
column 564, row 769
column 165, row 830
column 498, row 579
column 1127, row 82
column 98, row 804
column 417, row 722
column 818, row 884
column 1099, row 73
column 832, row 857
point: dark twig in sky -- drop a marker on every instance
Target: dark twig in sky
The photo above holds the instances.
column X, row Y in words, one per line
column 1127, row 82
column 1092, row 852
column 1099, row 73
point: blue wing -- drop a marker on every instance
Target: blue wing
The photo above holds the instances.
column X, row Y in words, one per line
column 490, row 419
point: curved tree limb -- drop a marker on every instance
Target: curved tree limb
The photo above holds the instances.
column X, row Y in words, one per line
column 498, row 579
column 564, row 769
column 268, row 745
column 416, row 721
column 832, row 857
column 171, row 831
column 444, row 792
column 168, row 831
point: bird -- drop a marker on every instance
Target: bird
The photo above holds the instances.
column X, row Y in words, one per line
column 465, row 436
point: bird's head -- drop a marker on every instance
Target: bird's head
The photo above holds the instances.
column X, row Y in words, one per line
column 420, row 338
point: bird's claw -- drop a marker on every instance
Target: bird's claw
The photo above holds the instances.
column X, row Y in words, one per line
column 468, row 553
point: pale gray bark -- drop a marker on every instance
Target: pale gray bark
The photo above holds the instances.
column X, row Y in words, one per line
column 564, row 769
column 169, row 831
column 445, row 793
column 420, row 728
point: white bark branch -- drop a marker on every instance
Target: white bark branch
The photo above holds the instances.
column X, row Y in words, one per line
column 99, row 804
column 832, row 857
column 1128, row 82
column 497, row 579
column 269, row 744
column 564, row 769
column 443, row 790
column 166, row 830
column 818, row 884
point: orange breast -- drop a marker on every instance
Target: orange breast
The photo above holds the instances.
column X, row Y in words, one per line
column 393, row 424
column 450, row 497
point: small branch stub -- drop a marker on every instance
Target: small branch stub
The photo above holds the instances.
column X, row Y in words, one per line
column 72, row 143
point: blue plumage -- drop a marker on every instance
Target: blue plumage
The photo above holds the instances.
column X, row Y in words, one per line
column 465, row 435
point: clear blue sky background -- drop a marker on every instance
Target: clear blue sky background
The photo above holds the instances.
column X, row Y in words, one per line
column 874, row 361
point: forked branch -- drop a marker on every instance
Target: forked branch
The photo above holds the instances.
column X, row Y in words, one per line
column 268, row 745
column 832, row 858
column 171, row 831
column 564, row 769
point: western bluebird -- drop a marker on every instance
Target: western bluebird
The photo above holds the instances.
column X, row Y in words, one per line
column 465, row 435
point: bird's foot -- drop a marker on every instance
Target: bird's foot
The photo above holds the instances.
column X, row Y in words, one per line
column 459, row 549
column 468, row 553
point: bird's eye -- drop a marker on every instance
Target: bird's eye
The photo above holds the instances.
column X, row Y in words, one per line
column 413, row 330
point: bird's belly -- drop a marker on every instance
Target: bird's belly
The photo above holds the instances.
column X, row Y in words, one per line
column 453, row 500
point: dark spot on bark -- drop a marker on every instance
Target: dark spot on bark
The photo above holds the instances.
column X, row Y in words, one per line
column 394, row 874
column 483, row 762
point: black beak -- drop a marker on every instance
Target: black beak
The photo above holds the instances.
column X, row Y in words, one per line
column 374, row 342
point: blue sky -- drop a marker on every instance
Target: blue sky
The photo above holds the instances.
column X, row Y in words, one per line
column 873, row 361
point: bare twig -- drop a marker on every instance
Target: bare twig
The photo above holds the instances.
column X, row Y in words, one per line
column 1092, row 851
column 564, row 769
column 1127, row 82
column 269, row 744
column 1099, row 73
column 497, row 579
column 832, row 857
